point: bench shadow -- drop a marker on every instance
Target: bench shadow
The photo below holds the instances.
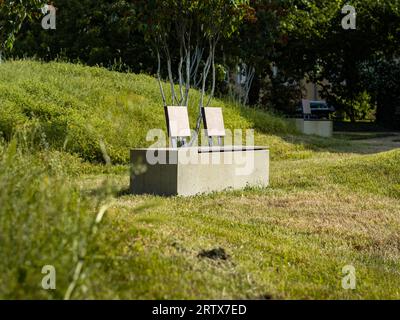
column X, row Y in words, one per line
column 127, row 192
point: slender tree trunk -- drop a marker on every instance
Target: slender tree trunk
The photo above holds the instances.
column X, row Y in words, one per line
column 198, row 55
column 351, row 112
column 169, row 68
column 180, row 76
column 249, row 80
column 188, row 67
column 213, row 72
column 206, row 70
column 159, row 79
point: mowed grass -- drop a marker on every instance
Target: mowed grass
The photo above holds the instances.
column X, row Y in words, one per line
column 289, row 241
column 331, row 202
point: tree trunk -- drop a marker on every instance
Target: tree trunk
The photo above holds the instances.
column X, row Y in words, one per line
column 169, row 69
column 206, row 70
column 159, row 79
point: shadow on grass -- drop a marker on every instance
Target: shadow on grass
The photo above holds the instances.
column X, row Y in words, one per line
column 123, row 192
column 371, row 145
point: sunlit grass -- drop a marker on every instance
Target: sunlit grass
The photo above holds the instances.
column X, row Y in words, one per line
column 330, row 202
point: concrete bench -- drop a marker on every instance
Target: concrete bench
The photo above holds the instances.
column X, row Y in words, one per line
column 311, row 125
column 190, row 171
column 306, row 109
column 186, row 171
column 318, row 127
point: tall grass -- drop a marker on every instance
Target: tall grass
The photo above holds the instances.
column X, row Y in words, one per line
column 44, row 220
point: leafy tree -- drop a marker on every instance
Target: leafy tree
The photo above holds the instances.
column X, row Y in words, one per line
column 195, row 43
column 12, row 15
column 319, row 47
column 381, row 78
column 95, row 32
column 194, row 28
column 252, row 50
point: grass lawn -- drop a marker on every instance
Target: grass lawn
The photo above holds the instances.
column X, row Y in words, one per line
column 288, row 241
column 331, row 203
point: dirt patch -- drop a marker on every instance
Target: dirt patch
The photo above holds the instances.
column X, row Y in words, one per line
column 214, row 254
column 266, row 296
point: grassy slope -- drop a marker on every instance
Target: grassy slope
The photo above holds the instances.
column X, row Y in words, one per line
column 329, row 204
column 77, row 107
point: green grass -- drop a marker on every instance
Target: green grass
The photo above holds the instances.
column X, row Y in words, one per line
column 331, row 202
column 43, row 221
column 288, row 241
column 78, row 106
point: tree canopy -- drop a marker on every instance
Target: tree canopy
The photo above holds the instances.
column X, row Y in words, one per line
column 272, row 44
column 321, row 48
column 12, row 14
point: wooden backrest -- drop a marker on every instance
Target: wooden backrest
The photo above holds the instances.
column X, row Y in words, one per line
column 213, row 122
column 177, row 121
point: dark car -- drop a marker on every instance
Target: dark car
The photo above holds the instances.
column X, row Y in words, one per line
column 319, row 110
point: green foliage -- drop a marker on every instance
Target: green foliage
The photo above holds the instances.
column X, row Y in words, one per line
column 212, row 18
column 361, row 106
column 12, row 15
column 90, row 31
column 302, row 38
column 381, row 77
column 254, row 45
column 281, row 93
column 317, row 45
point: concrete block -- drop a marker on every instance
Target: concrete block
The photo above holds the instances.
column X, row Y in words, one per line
column 322, row 128
column 191, row 171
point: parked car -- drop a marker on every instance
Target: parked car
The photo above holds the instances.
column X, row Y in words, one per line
column 319, row 110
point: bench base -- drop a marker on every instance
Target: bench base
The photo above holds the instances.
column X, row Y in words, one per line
column 322, row 128
column 191, row 171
